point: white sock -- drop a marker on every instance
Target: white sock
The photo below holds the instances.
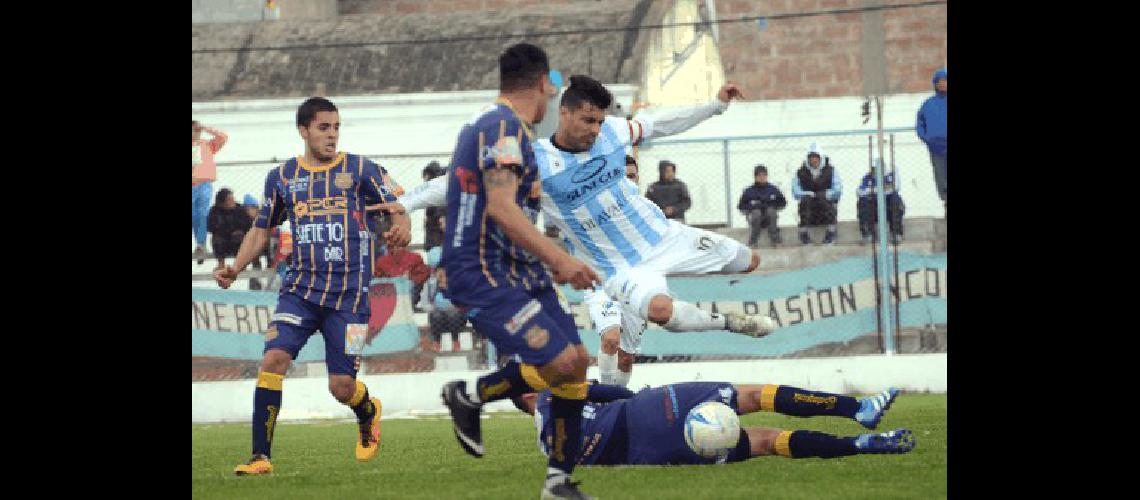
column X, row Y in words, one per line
column 622, row 378
column 473, row 391
column 607, row 367
column 554, row 476
column 688, row 317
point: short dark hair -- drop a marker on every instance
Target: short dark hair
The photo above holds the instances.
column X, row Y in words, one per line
column 311, row 107
column 629, row 160
column 521, row 66
column 222, row 195
column 193, row 123
column 586, row 89
column 759, row 168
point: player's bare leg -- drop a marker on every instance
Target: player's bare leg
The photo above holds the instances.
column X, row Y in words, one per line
column 266, row 406
column 681, row 316
column 625, row 367
column 353, row 393
column 764, row 441
column 610, row 369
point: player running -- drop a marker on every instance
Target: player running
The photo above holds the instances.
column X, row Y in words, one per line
column 492, row 258
column 648, row 429
column 323, row 195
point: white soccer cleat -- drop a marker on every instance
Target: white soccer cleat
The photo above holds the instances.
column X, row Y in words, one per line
column 754, row 325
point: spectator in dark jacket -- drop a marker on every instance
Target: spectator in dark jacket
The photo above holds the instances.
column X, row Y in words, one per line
column 433, row 217
column 931, row 128
column 818, row 188
column 761, row 203
column 227, row 222
column 867, row 206
column 669, row 193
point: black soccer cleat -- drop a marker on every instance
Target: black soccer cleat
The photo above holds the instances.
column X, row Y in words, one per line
column 564, row 489
column 464, row 417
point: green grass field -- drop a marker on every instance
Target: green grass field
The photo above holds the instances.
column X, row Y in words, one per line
column 421, row 459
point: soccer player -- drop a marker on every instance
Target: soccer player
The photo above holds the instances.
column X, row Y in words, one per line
column 322, row 194
column 492, row 258
column 648, row 429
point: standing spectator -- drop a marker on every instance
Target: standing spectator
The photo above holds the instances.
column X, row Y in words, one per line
column 761, row 203
column 818, row 189
column 228, row 223
column 433, row 219
column 203, row 171
column 931, row 128
column 669, row 193
column 867, row 206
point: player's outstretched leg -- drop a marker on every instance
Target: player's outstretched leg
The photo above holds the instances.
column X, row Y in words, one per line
column 798, row 402
column 806, row 444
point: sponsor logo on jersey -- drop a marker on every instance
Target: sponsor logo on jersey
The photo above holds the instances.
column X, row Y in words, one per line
column 589, row 169
column 595, row 182
column 704, row 243
column 522, row 316
column 299, row 184
column 333, row 205
column 343, row 180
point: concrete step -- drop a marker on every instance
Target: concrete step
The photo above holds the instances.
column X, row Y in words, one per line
column 914, row 229
column 791, row 257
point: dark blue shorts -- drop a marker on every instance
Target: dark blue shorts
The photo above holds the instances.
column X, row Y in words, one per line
column 655, row 422
column 532, row 325
column 344, row 332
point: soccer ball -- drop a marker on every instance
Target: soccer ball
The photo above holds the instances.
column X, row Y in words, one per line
column 712, row 429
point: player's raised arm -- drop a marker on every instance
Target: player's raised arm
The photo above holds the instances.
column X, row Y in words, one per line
column 675, row 120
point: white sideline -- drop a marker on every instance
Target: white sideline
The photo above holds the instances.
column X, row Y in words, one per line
column 410, row 394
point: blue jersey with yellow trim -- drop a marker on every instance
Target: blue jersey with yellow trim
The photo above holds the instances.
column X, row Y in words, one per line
column 601, row 423
column 331, row 264
column 480, row 261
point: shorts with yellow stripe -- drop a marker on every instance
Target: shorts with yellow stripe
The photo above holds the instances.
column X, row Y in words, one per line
column 531, row 324
column 343, row 332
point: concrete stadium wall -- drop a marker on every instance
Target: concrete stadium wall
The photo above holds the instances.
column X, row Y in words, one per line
column 410, row 394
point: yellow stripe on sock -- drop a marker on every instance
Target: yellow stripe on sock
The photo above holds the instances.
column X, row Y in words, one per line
column 783, row 444
column 358, row 396
column 575, row 390
column 531, row 377
column 768, row 397
column 271, row 381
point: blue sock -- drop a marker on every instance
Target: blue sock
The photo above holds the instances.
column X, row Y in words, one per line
column 804, row 444
column 567, row 415
column 798, row 402
column 605, row 393
column 509, row 381
column 266, row 405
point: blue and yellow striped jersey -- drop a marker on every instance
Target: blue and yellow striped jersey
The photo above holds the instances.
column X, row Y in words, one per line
column 332, row 256
column 481, row 262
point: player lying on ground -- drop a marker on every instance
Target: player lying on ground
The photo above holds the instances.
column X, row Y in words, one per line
column 648, row 428
column 323, row 195
column 616, row 230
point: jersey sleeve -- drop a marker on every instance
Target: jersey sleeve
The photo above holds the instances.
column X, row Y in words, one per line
column 502, row 146
column 628, row 132
column 432, row 193
column 273, row 208
column 372, row 187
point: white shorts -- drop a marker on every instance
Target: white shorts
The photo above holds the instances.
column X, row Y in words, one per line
column 606, row 314
column 686, row 249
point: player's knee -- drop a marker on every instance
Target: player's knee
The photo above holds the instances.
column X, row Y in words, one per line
column 342, row 387
column 755, row 262
column 660, row 309
column 610, row 341
column 275, row 361
column 625, row 361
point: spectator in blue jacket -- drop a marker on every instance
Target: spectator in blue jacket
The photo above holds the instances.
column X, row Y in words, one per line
column 817, row 187
column 761, row 203
column 867, row 206
column 931, row 128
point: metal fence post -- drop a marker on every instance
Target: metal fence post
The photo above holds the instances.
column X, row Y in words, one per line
column 883, row 224
column 727, row 186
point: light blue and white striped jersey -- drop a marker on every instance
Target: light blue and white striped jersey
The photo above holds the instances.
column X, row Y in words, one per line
column 586, row 195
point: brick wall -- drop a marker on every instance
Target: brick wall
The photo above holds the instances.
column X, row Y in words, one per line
column 821, row 56
column 395, row 7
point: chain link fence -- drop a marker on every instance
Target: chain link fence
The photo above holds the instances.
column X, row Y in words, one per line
column 825, row 299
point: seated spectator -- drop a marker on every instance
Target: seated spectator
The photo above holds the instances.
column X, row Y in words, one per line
column 228, row 223
column 867, row 207
column 817, row 188
column 761, row 203
column 669, row 193
column 433, row 216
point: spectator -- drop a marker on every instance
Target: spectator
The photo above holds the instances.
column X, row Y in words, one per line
column 817, row 188
column 631, row 169
column 228, row 223
column 433, row 219
column 931, row 128
column 867, row 206
column 761, row 203
column 669, row 193
column 203, row 171
column 443, row 316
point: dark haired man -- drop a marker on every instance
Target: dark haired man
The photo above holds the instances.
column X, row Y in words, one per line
column 761, row 203
column 323, row 195
column 817, row 187
column 669, row 193
column 492, row 260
